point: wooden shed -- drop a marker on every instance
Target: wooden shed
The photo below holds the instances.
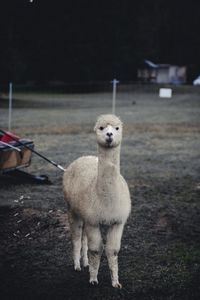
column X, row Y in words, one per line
column 162, row 73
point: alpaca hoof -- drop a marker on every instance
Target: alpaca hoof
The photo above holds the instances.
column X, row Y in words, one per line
column 85, row 264
column 77, row 268
column 117, row 285
column 94, row 282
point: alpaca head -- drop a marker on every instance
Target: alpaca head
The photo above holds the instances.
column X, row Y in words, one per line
column 108, row 130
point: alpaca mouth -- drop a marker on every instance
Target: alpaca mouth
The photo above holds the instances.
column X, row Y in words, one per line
column 109, row 141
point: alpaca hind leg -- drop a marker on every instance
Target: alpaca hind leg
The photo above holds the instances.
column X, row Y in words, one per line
column 84, row 249
column 95, row 248
column 76, row 225
column 113, row 243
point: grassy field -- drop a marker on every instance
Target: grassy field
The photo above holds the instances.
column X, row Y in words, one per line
column 160, row 159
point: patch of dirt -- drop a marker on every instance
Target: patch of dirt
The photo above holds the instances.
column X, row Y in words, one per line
column 160, row 253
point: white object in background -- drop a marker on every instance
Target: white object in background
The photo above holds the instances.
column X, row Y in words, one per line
column 165, row 93
column 197, row 81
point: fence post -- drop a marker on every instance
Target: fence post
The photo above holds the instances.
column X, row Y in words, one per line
column 10, row 107
column 114, row 82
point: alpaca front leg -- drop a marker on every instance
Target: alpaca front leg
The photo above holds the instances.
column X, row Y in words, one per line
column 95, row 248
column 113, row 243
column 84, row 249
column 76, row 225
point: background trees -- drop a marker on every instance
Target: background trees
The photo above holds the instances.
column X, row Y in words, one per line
column 95, row 40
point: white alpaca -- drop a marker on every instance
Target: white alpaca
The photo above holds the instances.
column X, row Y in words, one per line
column 98, row 195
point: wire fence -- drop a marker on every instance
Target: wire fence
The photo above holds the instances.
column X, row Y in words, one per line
column 61, row 87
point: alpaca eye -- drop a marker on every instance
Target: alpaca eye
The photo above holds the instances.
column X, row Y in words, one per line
column 117, row 128
column 101, row 128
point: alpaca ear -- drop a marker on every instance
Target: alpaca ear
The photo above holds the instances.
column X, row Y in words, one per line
column 120, row 121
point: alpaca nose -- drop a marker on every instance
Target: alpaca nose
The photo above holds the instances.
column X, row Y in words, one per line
column 109, row 134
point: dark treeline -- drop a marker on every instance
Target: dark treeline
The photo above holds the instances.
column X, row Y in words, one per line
column 76, row 40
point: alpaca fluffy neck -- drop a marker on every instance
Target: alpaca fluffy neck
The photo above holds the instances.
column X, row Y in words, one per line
column 109, row 156
column 108, row 168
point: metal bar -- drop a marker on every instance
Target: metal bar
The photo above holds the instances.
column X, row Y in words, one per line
column 11, row 146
